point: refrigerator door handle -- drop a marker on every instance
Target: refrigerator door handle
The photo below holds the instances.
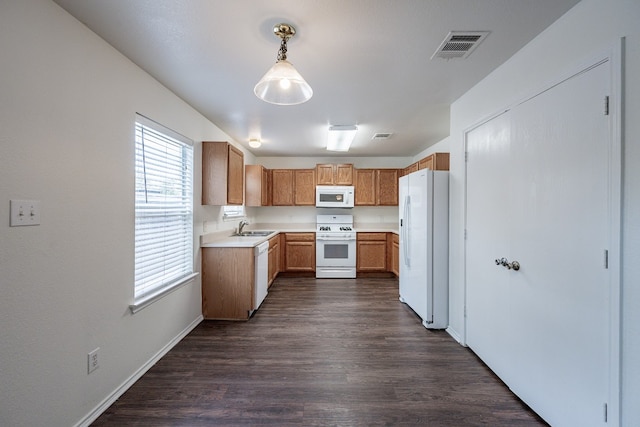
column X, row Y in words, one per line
column 405, row 233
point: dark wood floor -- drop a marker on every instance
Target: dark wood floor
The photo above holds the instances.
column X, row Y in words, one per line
column 320, row 353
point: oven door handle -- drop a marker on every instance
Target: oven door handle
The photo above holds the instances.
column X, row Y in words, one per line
column 335, row 239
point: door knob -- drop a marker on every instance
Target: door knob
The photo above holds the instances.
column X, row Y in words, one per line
column 515, row 265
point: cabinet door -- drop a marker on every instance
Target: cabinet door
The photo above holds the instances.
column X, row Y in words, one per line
column 282, row 187
column 324, row 174
column 235, row 190
column 387, row 194
column 254, row 185
column 222, row 174
column 395, row 255
column 300, row 252
column 365, row 187
column 274, row 258
column 343, row 174
column 227, row 283
column 304, row 187
column 266, row 187
column 411, row 168
column 371, row 253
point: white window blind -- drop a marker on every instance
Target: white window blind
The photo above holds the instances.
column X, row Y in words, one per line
column 163, row 210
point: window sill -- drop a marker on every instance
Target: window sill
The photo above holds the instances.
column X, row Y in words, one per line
column 150, row 299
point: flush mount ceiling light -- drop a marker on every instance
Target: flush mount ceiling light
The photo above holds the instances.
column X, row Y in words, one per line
column 282, row 84
column 341, row 137
column 254, row 143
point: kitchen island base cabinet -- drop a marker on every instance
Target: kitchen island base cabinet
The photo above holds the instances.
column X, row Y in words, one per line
column 227, row 283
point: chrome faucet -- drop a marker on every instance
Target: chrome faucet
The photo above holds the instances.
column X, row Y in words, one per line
column 241, row 225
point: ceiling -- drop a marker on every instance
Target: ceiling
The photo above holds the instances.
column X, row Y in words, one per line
column 368, row 62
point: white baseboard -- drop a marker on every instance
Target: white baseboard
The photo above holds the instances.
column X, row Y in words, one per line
column 109, row 400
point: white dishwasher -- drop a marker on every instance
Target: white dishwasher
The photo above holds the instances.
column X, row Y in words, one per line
column 262, row 273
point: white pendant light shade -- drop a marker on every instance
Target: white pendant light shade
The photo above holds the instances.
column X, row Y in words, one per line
column 283, row 85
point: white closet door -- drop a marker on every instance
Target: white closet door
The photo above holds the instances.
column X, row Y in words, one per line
column 559, row 300
column 488, row 219
column 537, row 193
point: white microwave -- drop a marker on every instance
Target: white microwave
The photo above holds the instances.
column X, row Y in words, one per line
column 333, row 196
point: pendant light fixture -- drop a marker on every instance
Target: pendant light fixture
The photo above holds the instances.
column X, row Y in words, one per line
column 282, row 84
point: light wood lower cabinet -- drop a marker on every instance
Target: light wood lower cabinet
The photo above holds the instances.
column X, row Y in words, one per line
column 227, row 283
column 371, row 252
column 299, row 252
column 395, row 254
column 274, row 258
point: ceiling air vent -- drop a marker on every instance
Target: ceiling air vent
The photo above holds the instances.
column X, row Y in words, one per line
column 459, row 44
column 381, row 135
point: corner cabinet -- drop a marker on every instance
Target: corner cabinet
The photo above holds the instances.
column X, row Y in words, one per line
column 222, row 174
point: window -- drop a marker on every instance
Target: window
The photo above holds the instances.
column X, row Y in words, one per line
column 233, row 212
column 163, row 211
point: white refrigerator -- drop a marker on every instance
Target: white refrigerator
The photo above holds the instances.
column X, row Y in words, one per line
column 424, row 245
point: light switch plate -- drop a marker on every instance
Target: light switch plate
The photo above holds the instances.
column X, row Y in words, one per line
column 24, row 212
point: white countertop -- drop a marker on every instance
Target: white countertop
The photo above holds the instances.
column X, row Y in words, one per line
column 225, row 239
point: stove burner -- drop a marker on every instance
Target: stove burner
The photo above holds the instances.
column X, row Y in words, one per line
column 346, row 228
column 325, row 228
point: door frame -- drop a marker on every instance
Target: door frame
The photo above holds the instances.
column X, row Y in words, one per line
column 614, row 57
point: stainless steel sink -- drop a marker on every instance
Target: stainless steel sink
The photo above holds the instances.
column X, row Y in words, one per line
column 256, row 233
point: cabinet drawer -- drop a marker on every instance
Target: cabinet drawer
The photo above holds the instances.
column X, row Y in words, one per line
column 372, row 236
column 300, row 237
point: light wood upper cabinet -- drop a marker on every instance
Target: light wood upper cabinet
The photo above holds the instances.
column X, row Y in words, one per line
column 365, row 187
column 334, row 174
column 324, row 174
column 387, row 187
column 222, row 174
column 282, row 187
column 376, row 187
column 304, row 186
column 435, row 161
column 411, row 168
column 256, row 187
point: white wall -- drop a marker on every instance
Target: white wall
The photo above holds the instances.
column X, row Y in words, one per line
column 590, row 28
column 67, row 108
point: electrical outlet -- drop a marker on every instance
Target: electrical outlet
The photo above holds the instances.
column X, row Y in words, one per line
column 24, row 212
column 92, row 361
